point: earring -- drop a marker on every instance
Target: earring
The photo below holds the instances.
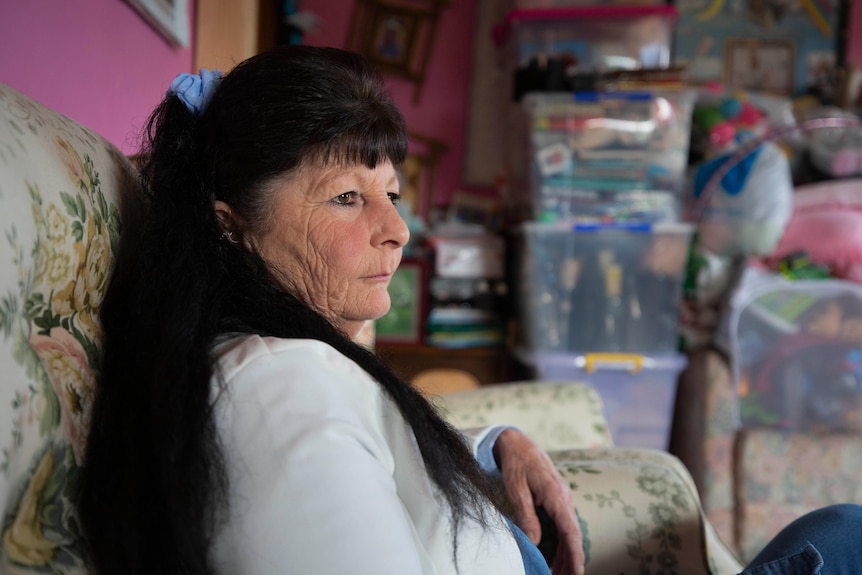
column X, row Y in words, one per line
column 229, row 236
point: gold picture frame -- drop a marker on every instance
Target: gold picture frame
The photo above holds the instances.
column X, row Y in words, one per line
column 418, row 173
column 397, row 36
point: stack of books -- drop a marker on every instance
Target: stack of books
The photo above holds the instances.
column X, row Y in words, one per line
column 465, row 312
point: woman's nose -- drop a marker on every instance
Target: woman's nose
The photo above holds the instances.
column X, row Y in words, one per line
column 393, row 229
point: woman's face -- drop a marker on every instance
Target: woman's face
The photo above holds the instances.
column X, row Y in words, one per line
column 335, row 239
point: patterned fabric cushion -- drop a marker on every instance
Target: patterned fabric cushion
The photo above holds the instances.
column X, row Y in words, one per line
column 59, row 187
column 781, row 476
column 556, row 415
column 640, row 513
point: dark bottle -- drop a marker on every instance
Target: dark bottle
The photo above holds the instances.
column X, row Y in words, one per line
column 587, row 331
column 614, row 321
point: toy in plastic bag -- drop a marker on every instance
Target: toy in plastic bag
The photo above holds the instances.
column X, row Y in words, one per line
column 746, row 212
column 807, row 383
column 796, row 350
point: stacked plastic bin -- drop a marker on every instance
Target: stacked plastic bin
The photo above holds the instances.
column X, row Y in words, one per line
column 601, row 260
column 607, row 156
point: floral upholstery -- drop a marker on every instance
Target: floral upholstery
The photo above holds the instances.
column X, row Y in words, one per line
column 640, row 514
column 639, row 508
column 59, row 187
column 753, row 482
column 780, row 476
column 555, row 415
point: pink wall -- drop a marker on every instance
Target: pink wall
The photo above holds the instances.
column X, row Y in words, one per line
column 854, row 37
column 96, row 61
column 442, row 109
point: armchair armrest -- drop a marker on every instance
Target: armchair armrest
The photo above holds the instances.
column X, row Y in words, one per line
column 640, row 513
column 556, row 415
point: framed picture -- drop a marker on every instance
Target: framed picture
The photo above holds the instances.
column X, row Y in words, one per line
column 396, row 35
column 169, row 17
column 760, row 65
column 408, row 291
column 759, row 45
column 393, row 37
column 418, row 174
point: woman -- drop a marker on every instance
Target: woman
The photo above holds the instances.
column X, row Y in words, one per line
column 238, row 427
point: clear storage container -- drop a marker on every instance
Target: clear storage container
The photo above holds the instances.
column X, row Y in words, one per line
column 607, row 156
column 638, row 391
column 599, row 37
column 601, row 288
column 796, row 351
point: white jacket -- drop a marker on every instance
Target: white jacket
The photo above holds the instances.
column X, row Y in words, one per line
column 326, row 477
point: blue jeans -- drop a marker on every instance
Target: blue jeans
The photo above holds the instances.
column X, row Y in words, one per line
column 827, row 541
column 534, row 561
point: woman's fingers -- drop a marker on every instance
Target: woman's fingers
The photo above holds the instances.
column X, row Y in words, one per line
column 531, row 481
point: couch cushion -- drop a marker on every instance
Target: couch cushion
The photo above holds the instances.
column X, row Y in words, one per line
column 60, row 188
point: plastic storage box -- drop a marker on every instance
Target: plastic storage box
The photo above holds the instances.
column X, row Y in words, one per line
column 608, row 156
column 599, row 37
column 638, row 392
column 796, row 348
column 601, row 288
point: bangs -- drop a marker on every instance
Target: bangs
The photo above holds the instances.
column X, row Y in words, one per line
column 368, row 145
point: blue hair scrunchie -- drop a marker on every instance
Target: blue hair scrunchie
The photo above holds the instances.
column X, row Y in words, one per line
column 195, row 90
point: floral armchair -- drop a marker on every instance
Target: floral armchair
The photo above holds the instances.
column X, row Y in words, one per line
column 64, row 192
column 61, row 191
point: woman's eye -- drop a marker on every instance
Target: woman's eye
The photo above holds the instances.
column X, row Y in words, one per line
column 345, row 199
column 394, row 197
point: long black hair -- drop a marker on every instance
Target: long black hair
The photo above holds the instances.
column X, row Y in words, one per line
column 154, row 484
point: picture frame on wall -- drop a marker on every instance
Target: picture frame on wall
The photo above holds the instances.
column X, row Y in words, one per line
column 397, row 36
column 787, row 48
column 418, row 174
column 760, row 65
column 169, row 17
column 408, row 291
column 393, row 38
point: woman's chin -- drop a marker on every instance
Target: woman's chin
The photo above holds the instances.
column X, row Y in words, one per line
column 379, row 307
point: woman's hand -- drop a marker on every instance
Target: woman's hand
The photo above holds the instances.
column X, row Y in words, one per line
column 531, row 481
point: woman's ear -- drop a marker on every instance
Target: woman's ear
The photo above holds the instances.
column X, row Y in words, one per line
column 224, row 215
column 228, row 221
